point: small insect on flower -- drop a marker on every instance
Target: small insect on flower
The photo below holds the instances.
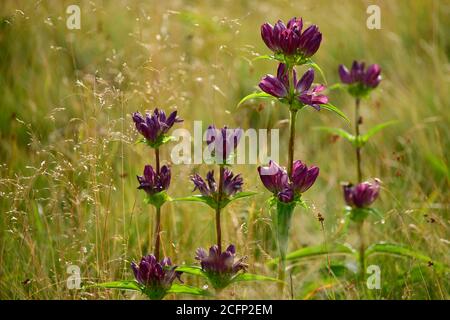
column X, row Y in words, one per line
column 360, row 81
column 303, row 93
column 220, row 267
column 155, row 277
column 222, row 142
column 289, row 40
column 362, row 195
column 154, row 127
column 277, row 181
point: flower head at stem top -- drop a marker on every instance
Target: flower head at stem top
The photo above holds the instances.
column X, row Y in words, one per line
column 155, row 277
column 152, row 182
column 220, row 267
column 231, row 184
column 285, row 188
column 303, row 92
column 155, row 126
column 290, row 41
column 362, row 195
column 360, row 81
column 222, row 142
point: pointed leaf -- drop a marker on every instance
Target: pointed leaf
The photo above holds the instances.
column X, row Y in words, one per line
column 339, row 132
column 185, row 289
column 124, row 285
column 314, row 251
column 403, row 251
column 330, row 107
column 264, row 57
column 199, row 198
column 316, row 66
column 194, row 270
column 253, row 277
column 243, row 194
column 254, row 95
column 365, row 137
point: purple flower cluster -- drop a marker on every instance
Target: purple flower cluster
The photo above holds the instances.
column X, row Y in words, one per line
column 155, row 125
column 290, row 40
column 231, row 184
column 153, row 275
column 152, row 182
column 220, row 266
column 303, row 91
column 277, row 181
column 369, row 78
column 361, row 195
column 222, row 142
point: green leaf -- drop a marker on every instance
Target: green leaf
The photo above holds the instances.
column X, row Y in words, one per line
column 400, row 250
column 319, row 250
column 264, row 57
column 124, row 285
column 365, row 137
column 199, row 198
column 336, row 86
column 254, row 95
column 253, row 277
column 311, row 63
column 185, row 289
column 330, row 107
column 237, row 196
column 339, row 132
column 194, row 270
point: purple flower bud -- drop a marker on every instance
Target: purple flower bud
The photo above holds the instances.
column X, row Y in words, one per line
column 344, row 74
column 276, row 86
column 361, row 195
column 306, row 94
column 303, row 177
column 222, row 142
column 372, row 76
column 220, row 266
column 153, row 126
column 151, row 182
column 289, row 39
column 154, row 275
column 277, row 181
column 274, row 177
column 231, row 184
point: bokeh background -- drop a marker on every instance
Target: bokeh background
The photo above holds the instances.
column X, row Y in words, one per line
column 68, row 157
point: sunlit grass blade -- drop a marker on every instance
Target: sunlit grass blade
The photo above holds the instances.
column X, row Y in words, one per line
column 264, row 57
column 254, row 95
column 185, row 289
column 330, row 107
column 319, row 250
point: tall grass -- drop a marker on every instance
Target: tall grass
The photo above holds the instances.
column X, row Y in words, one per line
column 68, row 161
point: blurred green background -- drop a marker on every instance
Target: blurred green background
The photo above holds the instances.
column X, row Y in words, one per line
column 68, row 160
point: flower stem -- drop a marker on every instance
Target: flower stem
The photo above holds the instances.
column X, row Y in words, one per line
column 219, row 199
column 158, row 213
column 291, row 141
column 358, row 148
column 362, row 250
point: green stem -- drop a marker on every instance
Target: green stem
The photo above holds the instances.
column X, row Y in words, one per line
column 158, row 214
column 219, row 199
column 293, row 114
column 358, row 148
column 362, row 250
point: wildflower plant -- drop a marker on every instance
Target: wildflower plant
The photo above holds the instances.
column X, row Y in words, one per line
column 292, row 46
column 219, row 267
column 154, row 277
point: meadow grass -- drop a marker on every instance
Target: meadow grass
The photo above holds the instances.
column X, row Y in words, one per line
column 68, row 157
